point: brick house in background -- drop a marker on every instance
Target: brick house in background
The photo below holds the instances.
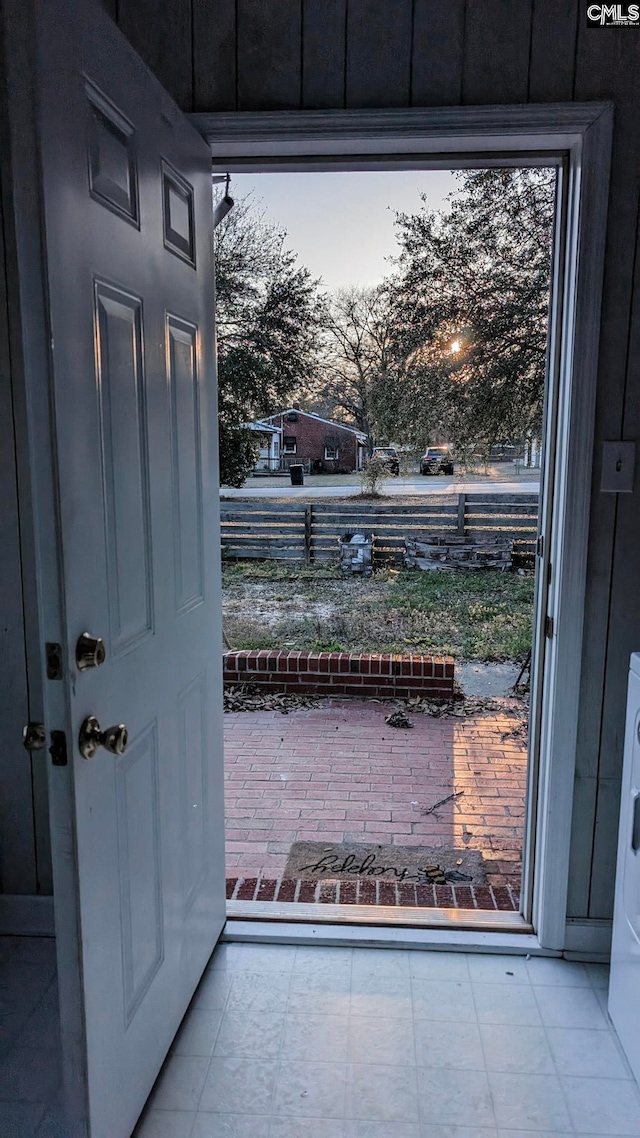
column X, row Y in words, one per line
column 320, row 444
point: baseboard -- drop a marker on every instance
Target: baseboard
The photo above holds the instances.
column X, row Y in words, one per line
column 26, row 915
column 587, row 939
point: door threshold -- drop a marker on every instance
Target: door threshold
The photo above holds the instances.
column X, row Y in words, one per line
column 352, row 935
column 392, row 916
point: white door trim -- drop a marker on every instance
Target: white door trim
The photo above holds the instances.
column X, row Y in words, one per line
column 425, row 137
column 577, row 137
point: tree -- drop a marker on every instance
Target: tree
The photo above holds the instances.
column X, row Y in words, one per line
column 268, row 313
column 471, row 310
column 355, row 358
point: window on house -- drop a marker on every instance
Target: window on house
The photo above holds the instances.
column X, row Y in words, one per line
column 276, row 448
column 330, row 450
column 289, row 444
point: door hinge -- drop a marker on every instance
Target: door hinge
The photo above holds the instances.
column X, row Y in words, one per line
column 53, row 657
column 548, row 627
column 540, row 545
column 58, row 749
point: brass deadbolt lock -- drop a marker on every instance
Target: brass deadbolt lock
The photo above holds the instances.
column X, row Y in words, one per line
column 113, row 739
column 90, row 651
column 34, row 736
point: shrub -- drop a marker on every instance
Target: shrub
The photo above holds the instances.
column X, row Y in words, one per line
column 373, row 477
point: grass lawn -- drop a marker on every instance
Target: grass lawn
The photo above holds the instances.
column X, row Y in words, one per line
column 480, row 615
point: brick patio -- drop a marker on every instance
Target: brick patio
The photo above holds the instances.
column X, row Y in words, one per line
column 338, row 772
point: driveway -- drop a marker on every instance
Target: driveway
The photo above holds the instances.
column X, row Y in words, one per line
column 345, row 486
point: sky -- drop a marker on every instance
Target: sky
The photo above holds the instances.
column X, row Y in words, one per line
column 341, row 223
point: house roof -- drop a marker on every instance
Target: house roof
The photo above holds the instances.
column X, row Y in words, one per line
column 263, row 427
column 329, row 422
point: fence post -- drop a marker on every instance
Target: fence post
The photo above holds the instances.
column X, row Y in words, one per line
column 462, row 506
column 308, row 522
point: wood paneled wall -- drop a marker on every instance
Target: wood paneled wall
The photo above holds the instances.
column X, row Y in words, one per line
column 317, row 54
column 18, row 863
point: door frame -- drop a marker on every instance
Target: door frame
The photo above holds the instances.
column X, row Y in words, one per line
column 576, row 139
column 576, row 136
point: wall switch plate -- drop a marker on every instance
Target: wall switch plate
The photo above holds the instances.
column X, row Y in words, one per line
column 618, row 467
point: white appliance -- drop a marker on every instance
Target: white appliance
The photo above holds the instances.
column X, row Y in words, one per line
column 624, row 987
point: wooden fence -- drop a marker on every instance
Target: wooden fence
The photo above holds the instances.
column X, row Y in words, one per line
column 309, row 532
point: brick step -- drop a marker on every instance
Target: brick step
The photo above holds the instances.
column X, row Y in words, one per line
column 342, row 673
column 500, row 898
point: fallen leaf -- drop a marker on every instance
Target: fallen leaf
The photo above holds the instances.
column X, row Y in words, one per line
column 398, row 719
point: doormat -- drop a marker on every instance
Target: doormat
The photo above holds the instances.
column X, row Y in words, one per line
column 348, row 861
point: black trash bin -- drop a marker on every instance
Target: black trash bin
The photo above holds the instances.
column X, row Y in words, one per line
column 296, row 470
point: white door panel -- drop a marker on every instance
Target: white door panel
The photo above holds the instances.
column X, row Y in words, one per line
column 128, row 230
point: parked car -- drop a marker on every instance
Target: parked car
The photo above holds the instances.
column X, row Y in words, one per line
column 389, row 456
column 436, row 460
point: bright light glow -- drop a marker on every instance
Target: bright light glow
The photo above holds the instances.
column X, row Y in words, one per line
column 455, row 346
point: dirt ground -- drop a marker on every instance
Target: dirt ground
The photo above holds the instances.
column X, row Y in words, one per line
column 484, row 617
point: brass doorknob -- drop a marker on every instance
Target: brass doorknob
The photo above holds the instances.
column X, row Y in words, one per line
column 89, row 651
column 91, row 736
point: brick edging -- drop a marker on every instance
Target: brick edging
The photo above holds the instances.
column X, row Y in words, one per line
column 342, row 673
column 487, row 897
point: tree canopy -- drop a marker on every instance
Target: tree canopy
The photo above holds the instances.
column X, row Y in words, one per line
column 268, row 313
column 471, row 311
column 355, row 356
column 451, row 346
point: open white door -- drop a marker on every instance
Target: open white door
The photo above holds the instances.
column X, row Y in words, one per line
column 126, row 185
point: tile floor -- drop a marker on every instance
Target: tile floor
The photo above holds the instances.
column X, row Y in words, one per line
column 338, row 772
column 30, row 1060
column 286, row 1042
